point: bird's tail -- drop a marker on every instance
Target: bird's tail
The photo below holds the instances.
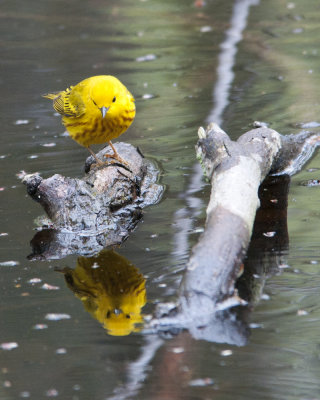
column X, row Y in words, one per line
column 51, row 96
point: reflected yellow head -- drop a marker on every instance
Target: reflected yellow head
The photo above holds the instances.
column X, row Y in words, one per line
column 112, row 291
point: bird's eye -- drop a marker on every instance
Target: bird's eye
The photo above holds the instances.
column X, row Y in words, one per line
column 114, row 99
column 94, row 102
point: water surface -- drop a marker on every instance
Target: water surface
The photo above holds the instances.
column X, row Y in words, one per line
column 168, row 54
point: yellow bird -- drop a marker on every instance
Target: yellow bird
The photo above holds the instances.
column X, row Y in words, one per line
column 95, row 111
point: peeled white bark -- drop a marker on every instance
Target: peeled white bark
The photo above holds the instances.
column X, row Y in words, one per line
column 236, row 170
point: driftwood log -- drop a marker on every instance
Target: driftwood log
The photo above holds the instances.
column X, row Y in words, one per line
column 97, row 211
column 235, row 170
column 101, row 209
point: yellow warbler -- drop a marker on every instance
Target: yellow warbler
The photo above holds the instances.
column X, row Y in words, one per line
column 95, row 111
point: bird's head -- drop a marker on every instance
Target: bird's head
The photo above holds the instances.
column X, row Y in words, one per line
column 106, row 94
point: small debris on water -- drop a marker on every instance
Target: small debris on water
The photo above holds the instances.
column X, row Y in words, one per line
column 9, row 345
column 302, row 312
column 49, row 144
column 25, row 394
column 39, row 327
column 56, row 316
column 283, row 266
column 62, row 350
column 297, row 30
column 22, row 122
column 201, row 382
column 254, row 325
column 226, row 353
column 265, row 296
column 7, row 384
column 148, row 96
column 52, row 393
column 311, row 183
column 314, row 262
column 205, row 29
column 46, row 286
column 9, row 263
column 147, row 57
column 269, row 234
column 32, row 281
column 95, row 266
column 4, row 234
column 33, row 156
column 274, row 201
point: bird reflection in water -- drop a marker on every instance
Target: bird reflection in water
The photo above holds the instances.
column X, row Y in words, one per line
column 112, row 291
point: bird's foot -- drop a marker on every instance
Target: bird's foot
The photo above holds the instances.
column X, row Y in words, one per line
column 115, row 159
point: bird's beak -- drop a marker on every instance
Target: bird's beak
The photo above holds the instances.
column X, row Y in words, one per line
column 104, row 111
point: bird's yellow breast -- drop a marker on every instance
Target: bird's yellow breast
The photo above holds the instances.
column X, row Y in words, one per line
column 81, row 107
column 91, row 128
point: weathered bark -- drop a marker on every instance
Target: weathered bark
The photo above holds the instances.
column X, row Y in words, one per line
column 99, row 210
column 236, row 170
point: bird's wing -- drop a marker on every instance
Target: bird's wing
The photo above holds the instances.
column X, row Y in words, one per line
column 68, row 102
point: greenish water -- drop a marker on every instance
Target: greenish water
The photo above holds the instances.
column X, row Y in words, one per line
column 51, row 44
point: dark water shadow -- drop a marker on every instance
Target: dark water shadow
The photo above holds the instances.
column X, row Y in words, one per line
column 269, row 243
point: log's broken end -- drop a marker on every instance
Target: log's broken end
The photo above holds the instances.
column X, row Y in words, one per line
column 212, row 148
